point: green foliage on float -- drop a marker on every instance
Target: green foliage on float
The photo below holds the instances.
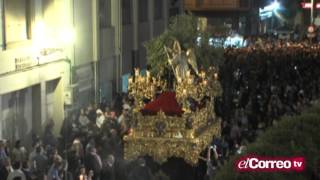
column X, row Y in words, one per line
column 183, row 28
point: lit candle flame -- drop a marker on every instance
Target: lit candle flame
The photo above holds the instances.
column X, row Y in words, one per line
column 136, row 72
column 215, row 76
column 184, row 91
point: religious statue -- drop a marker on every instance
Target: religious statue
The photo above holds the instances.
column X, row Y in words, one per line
column 179, row 60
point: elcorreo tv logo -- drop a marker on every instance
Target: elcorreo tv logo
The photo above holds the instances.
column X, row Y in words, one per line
column 254, row 163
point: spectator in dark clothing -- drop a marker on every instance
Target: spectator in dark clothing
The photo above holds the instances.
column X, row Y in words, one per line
column 91, row 114
column 117, row 104
column 93, row 162
column 108, row 171
column 112, row 143
column 39, row 164
column 48, row 137
column 26, row 170
column 141, row 171
column 5, row 169
column 122, row 168
column 17, row 178
column 69, row 127
column 3, row 154
column 75, row 157
column 103, row 104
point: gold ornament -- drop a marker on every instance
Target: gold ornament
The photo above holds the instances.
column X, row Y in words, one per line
column 161, row 136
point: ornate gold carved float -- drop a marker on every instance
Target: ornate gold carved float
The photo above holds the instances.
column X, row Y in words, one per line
column 186, row 135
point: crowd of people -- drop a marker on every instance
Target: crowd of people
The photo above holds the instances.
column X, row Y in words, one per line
column 89, row 148
column 260, row 85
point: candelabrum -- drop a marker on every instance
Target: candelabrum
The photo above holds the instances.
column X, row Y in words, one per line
column 144, row 87
column 197, row 88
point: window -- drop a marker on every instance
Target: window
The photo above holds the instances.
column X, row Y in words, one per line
column 158, row 4
column 126, row 12
column 105, row 13
column 17, row 20
column 143, row 10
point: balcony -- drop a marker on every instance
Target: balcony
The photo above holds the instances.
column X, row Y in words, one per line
column 217, row 5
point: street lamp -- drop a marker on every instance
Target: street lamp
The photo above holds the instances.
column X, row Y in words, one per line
column 275, row 5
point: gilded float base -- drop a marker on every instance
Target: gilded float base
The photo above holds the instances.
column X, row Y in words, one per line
column 161, row 148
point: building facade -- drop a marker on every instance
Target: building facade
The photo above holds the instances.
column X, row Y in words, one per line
column 47, row 56
column 60, row 55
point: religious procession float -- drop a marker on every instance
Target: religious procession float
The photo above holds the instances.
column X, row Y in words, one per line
column 173, row 113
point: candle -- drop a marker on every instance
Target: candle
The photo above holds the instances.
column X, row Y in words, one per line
column 215, row 76
column 184, row 91
column 148, row 73
column 136, row 72
column 188, row 73
column 205, row 82
column 191, row 136
column 203, row 74
column 130, row 80
column 130, row 132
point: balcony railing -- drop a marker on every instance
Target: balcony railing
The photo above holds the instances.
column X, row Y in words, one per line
column 205, row 5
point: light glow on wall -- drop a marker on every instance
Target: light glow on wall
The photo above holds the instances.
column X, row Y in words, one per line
column 46, row 37
column 67, row 36
column 39, row 33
